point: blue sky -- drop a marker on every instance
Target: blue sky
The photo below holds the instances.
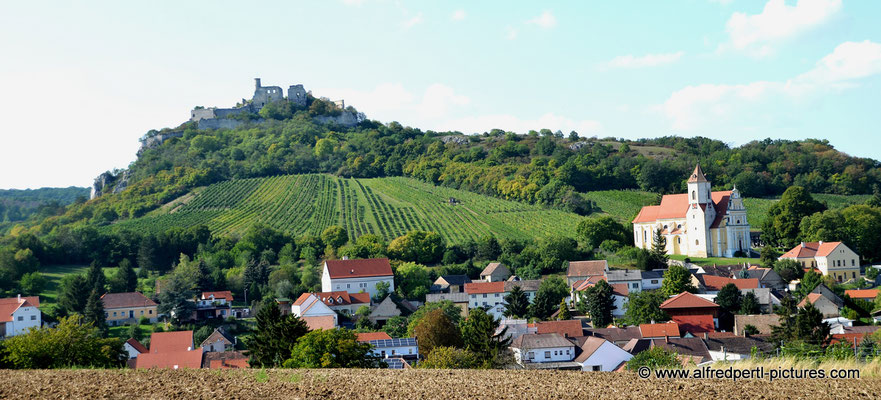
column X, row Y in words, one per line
column 82, row 81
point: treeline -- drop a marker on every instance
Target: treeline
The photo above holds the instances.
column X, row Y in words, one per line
column 19, row 205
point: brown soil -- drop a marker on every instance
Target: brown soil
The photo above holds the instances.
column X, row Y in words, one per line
column 408, row 384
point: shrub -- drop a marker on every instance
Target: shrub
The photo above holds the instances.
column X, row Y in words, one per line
column 654, row 358
column 446, row 357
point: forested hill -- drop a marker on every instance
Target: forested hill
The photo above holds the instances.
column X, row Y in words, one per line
column 17, row 205
column 545, row 168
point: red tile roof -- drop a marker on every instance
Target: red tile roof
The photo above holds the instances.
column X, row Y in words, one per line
column 171, row 342
column 175, row 360
column 320, row 322
column 810, row 298
column 811, row 249
column 225, row 360
column 569, row 328
column 587, row 268
column 586, row 283
column 368, row 336
column 137, row 345
column 676, row 206
column 33, row 300
column 126, row 300
column 695, row 323
column 484, row 287
column 712, row 282
column 339, row 269
column 342, row 298
column 302, row 298
column 667, row 329
column 224, row 294
column 620, row 289
column 865, row 294
column 687, row 300
column 10, row 305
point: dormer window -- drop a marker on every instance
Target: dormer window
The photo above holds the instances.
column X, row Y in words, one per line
column 330, row 300
column 339, row 299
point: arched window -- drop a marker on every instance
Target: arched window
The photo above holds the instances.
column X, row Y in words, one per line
column 693, row 194
column 678, row 240
column 696, row 242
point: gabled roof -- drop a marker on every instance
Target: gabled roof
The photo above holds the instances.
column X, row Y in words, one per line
column 697, row 175
column 687, row 300
column 695, row 323
column 540, row 341
column 386, row 308
column 176, row 359
column 675, row 206
column 343, row 298
column 368, row 336
column 225, row 360
column 590, row 346
column 126, row 300
column 9, row 305
column 668, row 329
column 170, row 342
column 218, row 334
column 454, row 280
column 865, row 294
column 762, row 322
column 811, row 249
column 223, row 294
column 620, row 289
column 529, row 285
column 616, row 335
column 339, row 269
column 495, row 267
column 33, row 300
column 810, row 298
column 691, row 347
column 586, row 283
column 587, row 268
column 712, row 282
column 739, row 344
column 137, row 345
column 569, row 328
column 485, row 287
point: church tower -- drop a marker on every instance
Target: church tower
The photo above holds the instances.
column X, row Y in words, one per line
column 700, row 214
column 698, row 187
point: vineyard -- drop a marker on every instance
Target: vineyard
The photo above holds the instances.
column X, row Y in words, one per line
column 389, row 207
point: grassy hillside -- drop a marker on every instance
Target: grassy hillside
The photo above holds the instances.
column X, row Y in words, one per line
column 306, row 204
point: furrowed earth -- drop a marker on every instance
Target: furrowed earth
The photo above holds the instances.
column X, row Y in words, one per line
column 406, row 384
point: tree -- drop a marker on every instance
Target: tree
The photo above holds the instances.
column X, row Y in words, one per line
column 677, row 279
column 728, row 298
column 659, row 248
column 749, row 330
column 563, row 311
column 331, row 348
column 809, row 282
column 768, row 256
column 594, row 231
column 446, row 357
column 781, row 227
column 73, row 293
column 134, row 332
column 436, row 329
column 174, row 300
column 452, row 311
column 749, row 304
column 789, row 270
column 324, row 147
column 598, row 303
column 551, row 291
column 126, row 278
column 382, row 291
column 32, row 283
column 809, row 326
column 72, row 343
column 412, row 281
column 785, row 328
column 366, row 246
column 479, row 335
column 94, row 312
column 396, row 326
column 516, row 303
column 148, row 257
column 654, row 358
column 274, row 337
column 334, row 236
column 418, row 246
column 643, row 307
column 96, row 278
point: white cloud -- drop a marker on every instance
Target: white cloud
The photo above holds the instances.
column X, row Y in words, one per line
column 648, row 60
column 546, row 20
column 510, row 33
column 458, row 15
column 415, row 20
column 716, row 105
column 778, row 22
column 508, row 122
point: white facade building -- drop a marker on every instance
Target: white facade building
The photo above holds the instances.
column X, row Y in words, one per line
column 19, row 314
column 355, row 276
column 542, row 348
column 601, row 355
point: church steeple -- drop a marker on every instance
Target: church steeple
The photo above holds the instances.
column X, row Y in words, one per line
column 697, row 175
column 699, row 190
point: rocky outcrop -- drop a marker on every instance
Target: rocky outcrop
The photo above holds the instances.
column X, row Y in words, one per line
column 109, row 182
column 457, row 139
column 155, row 141
column 346, row 118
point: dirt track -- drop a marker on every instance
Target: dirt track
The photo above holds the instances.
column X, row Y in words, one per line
column 410, row 384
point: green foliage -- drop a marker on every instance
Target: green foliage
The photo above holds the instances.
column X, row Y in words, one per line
column 73, row 294
column 94, row 312
column 809, row 282
column 274, row 337
column 396, row 327
column 677, row 279
column 809, row 326
column 749, row 330
column 451, row 310
column 436, row 329
column 72, row 343
column 781, row 228
column 643, row 307
column 334, row 236
column 552, row 290
column 333, row 348
column 563, row 311
column 768, row 256
column 412, row 281
column 789, row 270
column 855, row 226
column 749, row 304
column 595, row 231
column 479, row 335
column 418, row 246
column 446, row 357
column 654, row 358
column 729, row 298
column 516, row 303
column 598, row 303
column 32, row 283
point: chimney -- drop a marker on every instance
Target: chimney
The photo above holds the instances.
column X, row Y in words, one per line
column 19, row 297
column 706, row 336
column 666, row 339
column 802, row 244
column 821, row 242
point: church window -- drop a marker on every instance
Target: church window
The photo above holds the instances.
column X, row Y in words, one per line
column 696, row 242
column 678, row 240
column 693, row 195
column 665, row 227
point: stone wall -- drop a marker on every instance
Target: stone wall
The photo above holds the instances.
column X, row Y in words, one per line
column 346, row 118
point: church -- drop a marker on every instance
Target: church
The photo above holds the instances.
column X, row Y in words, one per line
column 700, row 223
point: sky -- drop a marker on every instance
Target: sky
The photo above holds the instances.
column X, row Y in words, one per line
column 82, row 81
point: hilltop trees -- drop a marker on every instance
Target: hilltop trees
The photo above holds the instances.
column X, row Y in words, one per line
column 418, row 246
column 643, row 307
column 595, row 231
column 781, row 228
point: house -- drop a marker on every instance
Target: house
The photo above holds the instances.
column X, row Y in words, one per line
column 383, row 311
column 495, row 272
column 567, row 329
column 699, row 223
column 659, row 330
column 127, row 308
column 833, row 259
column 767, row 297
column 218, row 341
column 170, row 350
column 620, row 291
column 514, row 328
column 19, row 314
column 598, row 354
column 542, row 348
column 225, row 360
column 862, row 294
column 618, row 336
column 344, row 302
column 364, row 337
column 827, row 305
column 693, row 313
column 581, row 270
column 356, row 276
column 737, row 348
column 485, row 294
column 459, row 299
column 134, row 348
column 713, row 284
column 406, row 348
column 762, row 322
column 653, row 279
column 284, row 305
column 316, row 314
column 690, row 348
column 450, row 284
column 768, row 278
column 528, row 286
column 630, row 277
column 214, row 305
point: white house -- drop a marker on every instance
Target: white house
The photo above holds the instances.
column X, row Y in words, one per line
column 542, row 348
column 316, row 314
column 491, row 295
column 406, row 348
column 134, row 348
column 653, row 279
column 356, row 276
column 620, row 293
column 601, row 355
column 217, row 341
column 343, row 301
column 18, row 314
column 630, row 277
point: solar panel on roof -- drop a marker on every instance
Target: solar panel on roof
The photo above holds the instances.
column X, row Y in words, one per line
column 393, row 342
column 394, row 363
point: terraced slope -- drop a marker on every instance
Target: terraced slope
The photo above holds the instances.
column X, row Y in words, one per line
column 306, row 204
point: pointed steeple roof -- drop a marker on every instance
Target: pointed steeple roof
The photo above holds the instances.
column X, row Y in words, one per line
column 697, row 175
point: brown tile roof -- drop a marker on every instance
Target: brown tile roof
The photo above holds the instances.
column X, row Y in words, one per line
column 175, row 360
column 527, row 285
column 670, row 329
column 587, row 268
column 811, row 249
column 320, row 322
column 866, row 294
column 810, row 298
column 484, row 287
column 10, row 305
column 616, row 335
column 676, row 206
column 712, row 282
column 690, row 347
column 697, row 175
column 137, row 345
column 740, row 344
column 339, row 269
column 591, row 345
column 170, row 342
column 620, row 289
column 126, row 300
column 687, row 300
column 214, row 337
column 302, row 298
column 586, row 283
column 368, row 336
column 224, row 294
column 695, row 323
column 494, row 267
column 342, row 298
column 762, row 322
column 570, row 328
column 540, row 341
column 225, row 360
